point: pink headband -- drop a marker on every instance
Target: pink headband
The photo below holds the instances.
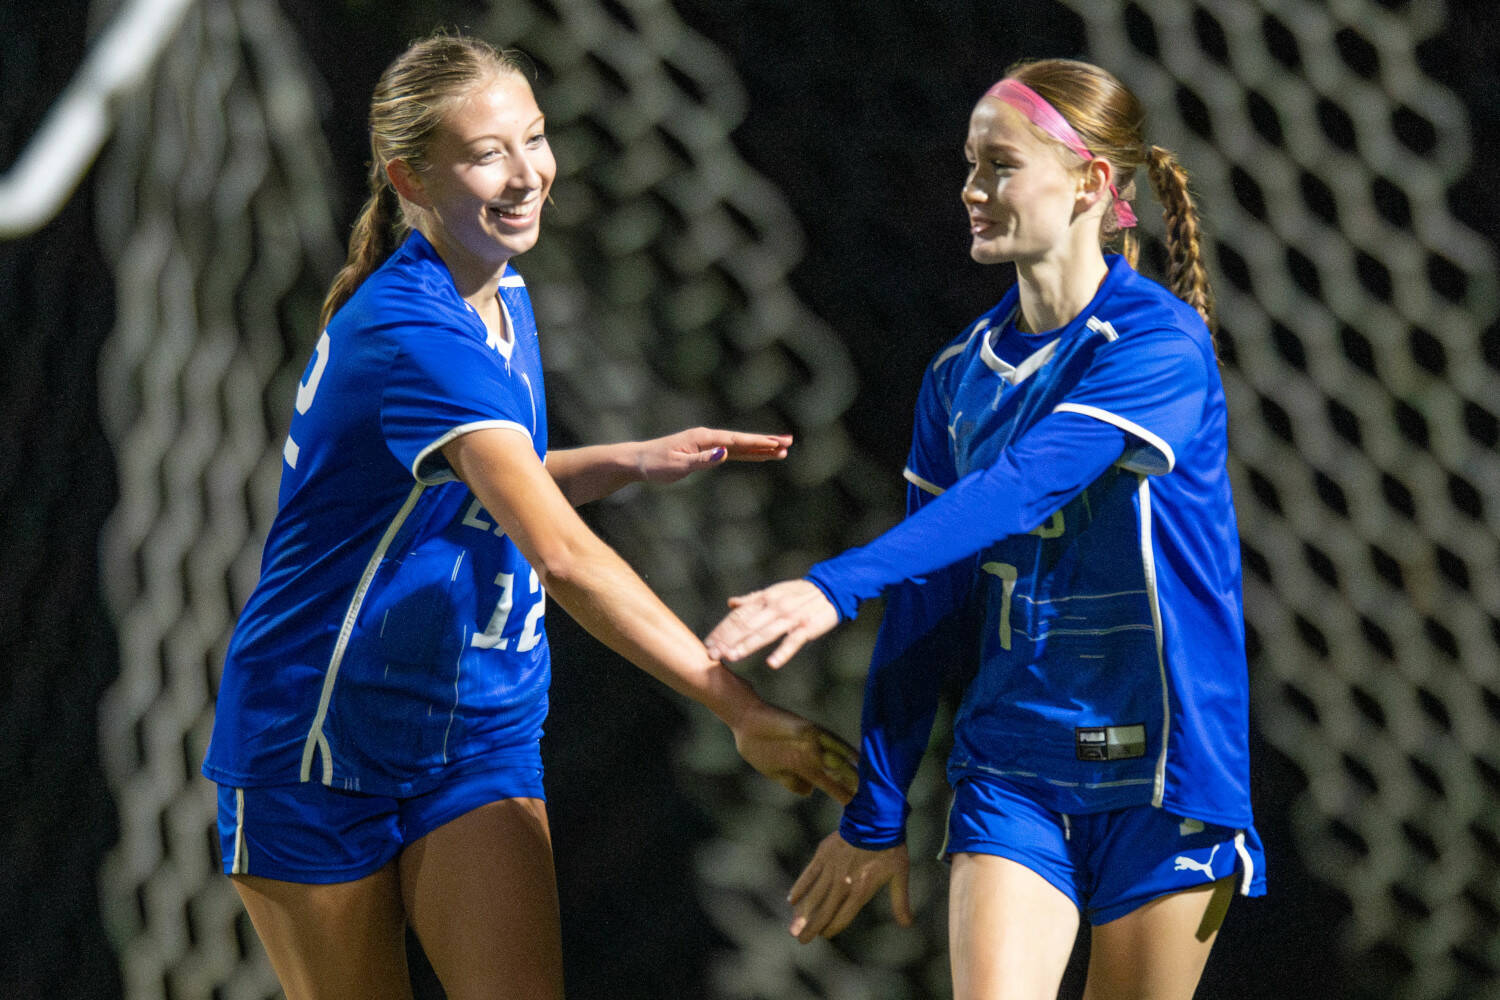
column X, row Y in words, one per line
column 1047, row 118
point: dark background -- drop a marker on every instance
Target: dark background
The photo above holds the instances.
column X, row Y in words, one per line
column 886, row 267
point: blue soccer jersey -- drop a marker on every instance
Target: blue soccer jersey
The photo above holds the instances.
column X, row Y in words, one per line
column 395, row 629
column 1072, row 485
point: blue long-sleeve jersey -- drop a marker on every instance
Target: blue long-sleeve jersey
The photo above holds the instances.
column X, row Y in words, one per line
column 1077, row 480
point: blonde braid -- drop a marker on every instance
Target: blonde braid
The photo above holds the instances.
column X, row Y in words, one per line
column 1187, row 275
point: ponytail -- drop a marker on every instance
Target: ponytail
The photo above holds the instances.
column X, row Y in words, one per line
column 373, row 238
column 1187, row 276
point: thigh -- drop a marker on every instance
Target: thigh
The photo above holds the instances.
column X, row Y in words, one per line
column 332, row 941
column 1010, row 931
column 481, row 894
column 1158, row 951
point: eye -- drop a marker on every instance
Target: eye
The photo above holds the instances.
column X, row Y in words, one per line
column 537, row 141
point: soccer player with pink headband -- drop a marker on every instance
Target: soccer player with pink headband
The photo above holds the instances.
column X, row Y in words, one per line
column 1070, row 552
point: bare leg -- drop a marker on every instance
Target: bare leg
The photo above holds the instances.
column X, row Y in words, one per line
column 481, row 893
column 1158, row 951
column 332, row 942
column 1010, row 930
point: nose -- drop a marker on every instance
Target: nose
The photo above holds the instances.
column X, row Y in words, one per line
column 971, row 193
column 527, row 175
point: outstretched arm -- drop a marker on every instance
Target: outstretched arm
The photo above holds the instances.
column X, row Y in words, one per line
column 595, row 471
column 597, row 587
column 1031, row 479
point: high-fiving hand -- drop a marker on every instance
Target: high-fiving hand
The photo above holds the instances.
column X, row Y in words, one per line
column 668, row 459
column 794, row 611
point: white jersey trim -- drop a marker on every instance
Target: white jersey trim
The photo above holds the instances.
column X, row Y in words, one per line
column 1132, row 460
column 447, row 476
column 503, row 342
column 958, row 349
column 1016, row 374
column 317, row 741
column 1101, row 326
column 1148, row 564
column 922, row 484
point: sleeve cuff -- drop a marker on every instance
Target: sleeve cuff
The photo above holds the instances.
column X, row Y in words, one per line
column 847, row 608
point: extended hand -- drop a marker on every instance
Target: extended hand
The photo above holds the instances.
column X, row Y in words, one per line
column 670, row 458
column 794, row 611
column 796, row 753
column 839, row 881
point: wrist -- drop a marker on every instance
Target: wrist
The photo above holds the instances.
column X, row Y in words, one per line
column 729, row 696
column 866, row 839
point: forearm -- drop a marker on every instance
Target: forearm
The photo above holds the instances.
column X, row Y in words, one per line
column 1028, row 482
column 594, row 471
column 923, row 637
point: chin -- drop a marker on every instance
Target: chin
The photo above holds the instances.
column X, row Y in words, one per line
column 518, row 243
column 985, row 253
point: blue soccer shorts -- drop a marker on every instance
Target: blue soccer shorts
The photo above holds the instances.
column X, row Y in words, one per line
column 308, row 832
column 1107, row 863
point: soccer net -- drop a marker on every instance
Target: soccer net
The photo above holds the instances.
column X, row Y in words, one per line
column 1363, row 426
column 1363, row 436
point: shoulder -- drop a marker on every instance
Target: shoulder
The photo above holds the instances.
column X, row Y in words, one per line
column 1138, row 306
column 411, row 292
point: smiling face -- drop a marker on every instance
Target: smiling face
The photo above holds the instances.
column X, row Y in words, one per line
column 1021, row 195
column 485, row 176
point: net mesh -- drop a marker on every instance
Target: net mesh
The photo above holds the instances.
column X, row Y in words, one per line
column 1354, row 308
column 214, row 214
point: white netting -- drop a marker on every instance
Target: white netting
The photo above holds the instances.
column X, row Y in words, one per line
column 215, row 212
column 1363, row 431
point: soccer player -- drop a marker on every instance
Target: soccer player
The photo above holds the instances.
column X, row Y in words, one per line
column 377, row 737
column 1068, row 489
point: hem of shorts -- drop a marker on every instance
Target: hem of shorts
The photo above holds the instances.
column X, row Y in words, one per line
column 993, row 849
column 1256, row 889
column 477, row 764
column 315, row 877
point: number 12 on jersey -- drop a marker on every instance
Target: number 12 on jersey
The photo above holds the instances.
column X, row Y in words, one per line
column 531, row 632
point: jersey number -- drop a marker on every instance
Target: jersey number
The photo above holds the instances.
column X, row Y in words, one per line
column 1007, row 574
column 305, row 393
column 531, row 633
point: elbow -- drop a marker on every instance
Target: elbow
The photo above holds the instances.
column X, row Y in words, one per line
column 563, row 564
column 556, row 567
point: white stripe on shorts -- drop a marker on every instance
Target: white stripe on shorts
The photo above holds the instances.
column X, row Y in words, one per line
column 241, row 865
column 1246, row 862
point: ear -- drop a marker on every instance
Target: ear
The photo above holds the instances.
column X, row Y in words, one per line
column 1094, row 182
column 407, row 182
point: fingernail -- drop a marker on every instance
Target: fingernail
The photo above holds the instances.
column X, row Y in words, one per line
column 718, row 454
